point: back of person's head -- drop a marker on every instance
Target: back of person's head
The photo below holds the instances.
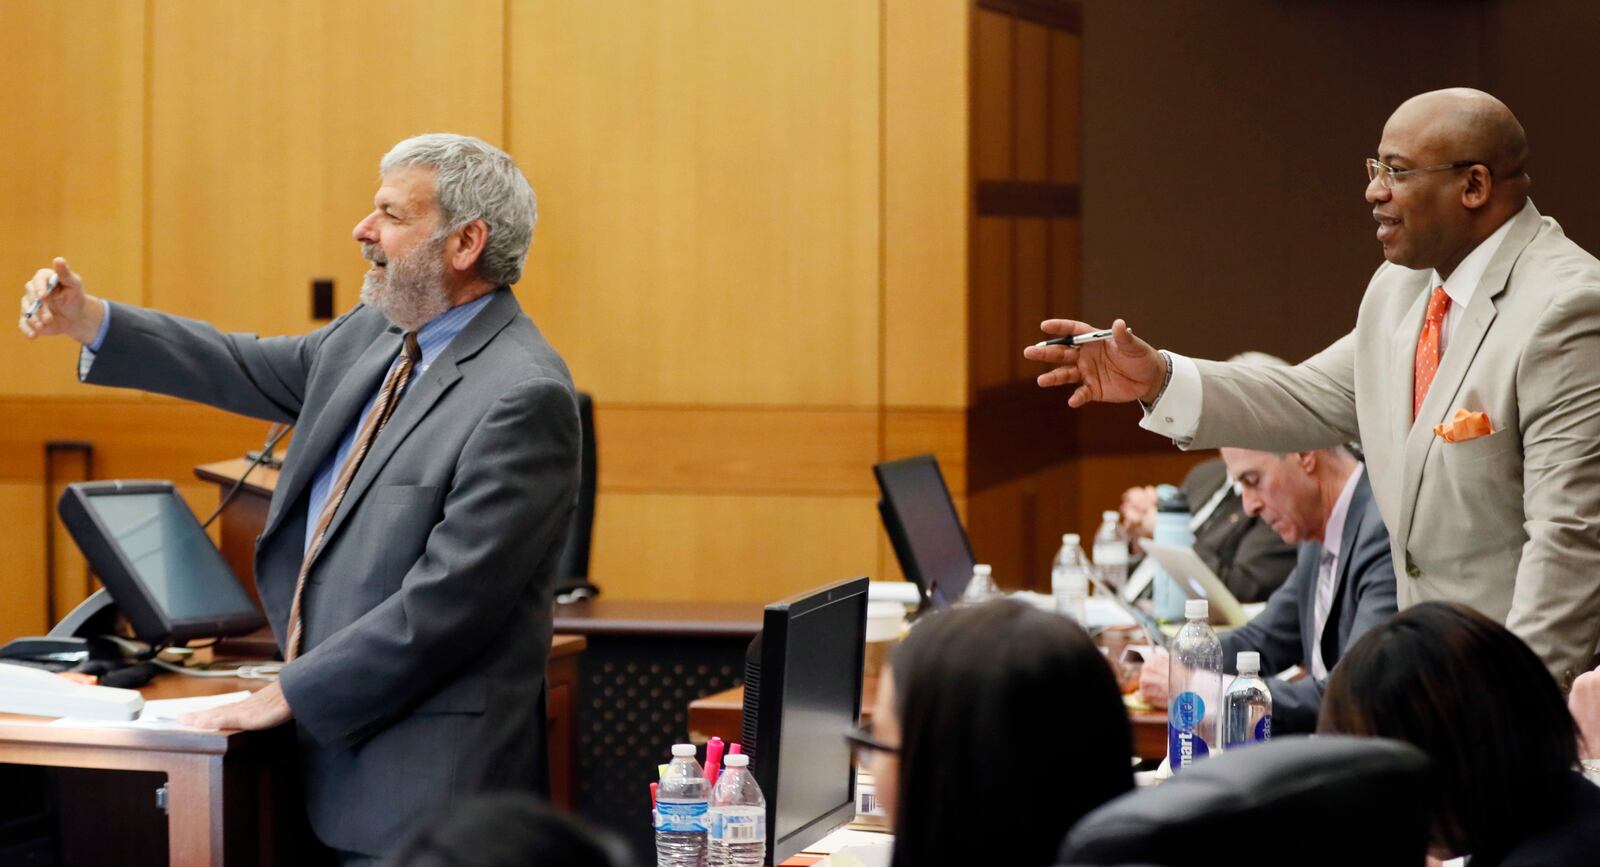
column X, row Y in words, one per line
column 1479, row 702
column 474, row 180
column 509, row 829
column 1010, row 719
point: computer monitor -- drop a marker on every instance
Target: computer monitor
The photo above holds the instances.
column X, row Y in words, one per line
column 164, row 574
column 923, row 526
column 802, row 695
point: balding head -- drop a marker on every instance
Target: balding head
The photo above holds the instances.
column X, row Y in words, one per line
column 1459, row 172
column 1460, row 123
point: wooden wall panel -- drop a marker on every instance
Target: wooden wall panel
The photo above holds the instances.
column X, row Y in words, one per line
column 73, row 185
column 1066, row 107
column 1016, row 526
column 1101, row 480
column 22, row 583
column 993, row 143
column 990, row 317
column 1030, row 296
column 1032, row 103
column 925, row 207
column 267, row 122
column 709, row 173
column 755, row 548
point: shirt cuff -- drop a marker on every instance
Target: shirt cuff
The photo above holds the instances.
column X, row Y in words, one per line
column 1176, row 412
column 86, row 357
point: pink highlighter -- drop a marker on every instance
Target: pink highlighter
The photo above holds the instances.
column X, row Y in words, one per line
column 713, row 760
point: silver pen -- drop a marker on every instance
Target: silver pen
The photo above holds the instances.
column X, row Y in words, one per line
column 1077, row 339
column 49, row 286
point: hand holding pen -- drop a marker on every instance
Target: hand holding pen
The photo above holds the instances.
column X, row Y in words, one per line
column 1110, row 365
column 54, row 302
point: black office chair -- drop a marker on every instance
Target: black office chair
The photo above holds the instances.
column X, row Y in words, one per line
column 572, row 571
column 1302, row 800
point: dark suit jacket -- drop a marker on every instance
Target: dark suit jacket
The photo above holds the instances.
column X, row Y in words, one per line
column 1281, row 633
column 1250, row 558
column 428, row 611
column 1570, row 839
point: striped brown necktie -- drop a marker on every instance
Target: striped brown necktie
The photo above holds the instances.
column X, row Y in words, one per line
column 382, row 409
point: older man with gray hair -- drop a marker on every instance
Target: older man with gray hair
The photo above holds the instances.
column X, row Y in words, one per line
column 410, row 547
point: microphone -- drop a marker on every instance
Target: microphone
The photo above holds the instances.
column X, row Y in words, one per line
column 264, row 455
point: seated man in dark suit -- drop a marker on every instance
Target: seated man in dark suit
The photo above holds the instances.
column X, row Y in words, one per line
column 1342, row 585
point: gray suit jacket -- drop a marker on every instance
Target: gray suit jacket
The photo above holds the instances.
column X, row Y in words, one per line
column 1283, row 633
column 1506, row 523
column 428, row 612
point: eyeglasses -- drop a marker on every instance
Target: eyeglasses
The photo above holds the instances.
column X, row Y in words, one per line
column 1386, row 175
column 866, row 746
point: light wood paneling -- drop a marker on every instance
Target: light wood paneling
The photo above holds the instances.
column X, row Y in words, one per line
column 941, row 432
column 736, row 450
column 134, row 437
column 267, row 123
column 925, row 203
column 668, row 546
column 709, row 175
column 73, row 182
column 22, row 581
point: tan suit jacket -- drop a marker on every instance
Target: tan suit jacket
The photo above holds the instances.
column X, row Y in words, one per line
column 1508, row 523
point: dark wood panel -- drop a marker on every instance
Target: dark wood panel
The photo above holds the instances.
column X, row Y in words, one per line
column 684, row 619
column 1026, row 199
column 1055, row 14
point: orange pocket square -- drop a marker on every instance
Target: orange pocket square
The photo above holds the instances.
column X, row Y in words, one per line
column 1463, row 426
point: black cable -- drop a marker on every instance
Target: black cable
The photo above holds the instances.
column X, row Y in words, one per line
column 260, row 457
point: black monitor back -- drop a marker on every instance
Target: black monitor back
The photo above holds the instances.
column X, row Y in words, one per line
column 921, row 520
column 802, row 694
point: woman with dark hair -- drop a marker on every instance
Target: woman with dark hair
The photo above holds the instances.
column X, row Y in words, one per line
column 996, row 727
column 1471, row 695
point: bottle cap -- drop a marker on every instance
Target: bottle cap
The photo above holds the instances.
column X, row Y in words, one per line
column 737, row 760
column 1196, row 609
column 982, row 569
column 682, row 750
column 1110, row 515
column 1069, row 538
column 1249, row 662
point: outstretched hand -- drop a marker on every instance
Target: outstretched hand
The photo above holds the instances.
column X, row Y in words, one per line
column 66, row 310
column 1118, row 370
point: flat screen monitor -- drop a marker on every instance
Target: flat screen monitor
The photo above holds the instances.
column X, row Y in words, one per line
column 923, row 526
column 167, row 578
column 802, row 695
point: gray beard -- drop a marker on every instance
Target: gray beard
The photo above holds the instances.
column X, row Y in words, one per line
column 411, row 291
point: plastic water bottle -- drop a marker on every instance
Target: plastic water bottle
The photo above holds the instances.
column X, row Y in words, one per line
column 1194, row 689
column 1069, row 580
column 981, row 586
column 1111, row 552
column 1247, row 706
column 738, row 832
column 680, row 815
column 1172, row 528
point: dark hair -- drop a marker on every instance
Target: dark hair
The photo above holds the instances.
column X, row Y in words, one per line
column 1009, row 717
column 1478, row 701
column 509, row 829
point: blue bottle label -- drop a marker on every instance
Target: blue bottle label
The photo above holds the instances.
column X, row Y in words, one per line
column 1185, row 745
column 1264, row 728
column 684, row 816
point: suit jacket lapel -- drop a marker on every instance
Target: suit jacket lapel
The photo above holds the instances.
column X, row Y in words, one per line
column 1345, row 583
column 312, row 447
column 422, row 394
column 1459, row 353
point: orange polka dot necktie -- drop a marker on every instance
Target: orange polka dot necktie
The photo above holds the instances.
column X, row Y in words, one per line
column 1426, row 363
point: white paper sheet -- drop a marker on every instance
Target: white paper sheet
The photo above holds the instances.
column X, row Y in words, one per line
column 162, row 713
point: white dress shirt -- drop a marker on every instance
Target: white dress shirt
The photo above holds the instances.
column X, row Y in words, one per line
column 1176, row 412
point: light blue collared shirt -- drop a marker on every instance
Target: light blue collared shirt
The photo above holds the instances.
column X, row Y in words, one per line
column 433, row 339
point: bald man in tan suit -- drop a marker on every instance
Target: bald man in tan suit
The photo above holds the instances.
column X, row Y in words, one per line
column 1482, row 306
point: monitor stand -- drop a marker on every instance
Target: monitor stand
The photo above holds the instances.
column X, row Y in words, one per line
column 76, row 639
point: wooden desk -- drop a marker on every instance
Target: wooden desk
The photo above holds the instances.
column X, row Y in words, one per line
column 721, row 714
column 232, row 796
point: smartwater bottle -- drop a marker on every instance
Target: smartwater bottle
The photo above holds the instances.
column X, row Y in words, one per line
column 1069, row 580
column 1194, row 689
column 1111, row 552
column 738, row 832
column 680, row 815
column 1172, row 528
column 1247, row 706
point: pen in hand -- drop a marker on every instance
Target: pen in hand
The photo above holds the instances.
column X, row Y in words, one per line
column 49, row 286
column 1077, row 339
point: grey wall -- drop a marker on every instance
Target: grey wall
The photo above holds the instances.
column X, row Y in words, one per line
column 1223, row 148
